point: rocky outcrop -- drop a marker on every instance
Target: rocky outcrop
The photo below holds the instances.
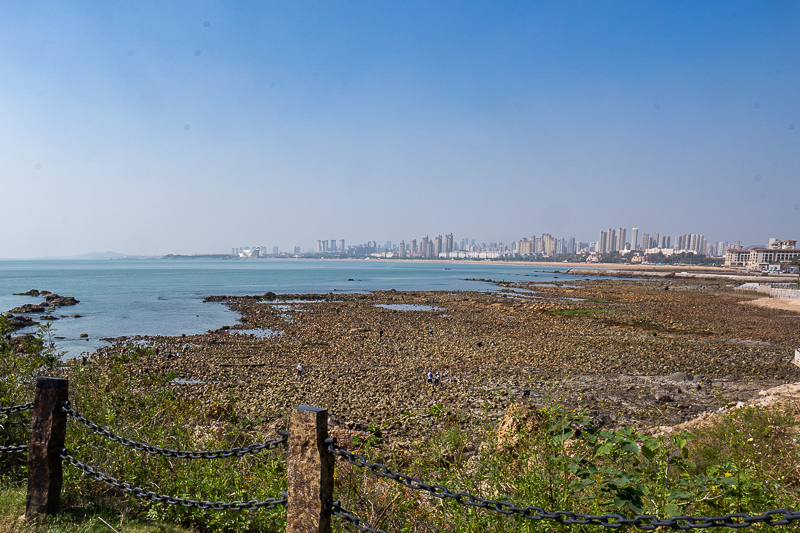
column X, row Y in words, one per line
column 28, row 308
column 19, row 322
column 32, row 292
column 55, row 300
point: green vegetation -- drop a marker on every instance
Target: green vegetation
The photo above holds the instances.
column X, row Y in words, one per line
column 744, row 461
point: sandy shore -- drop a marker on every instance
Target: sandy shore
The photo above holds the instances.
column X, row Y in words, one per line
column 786, row 304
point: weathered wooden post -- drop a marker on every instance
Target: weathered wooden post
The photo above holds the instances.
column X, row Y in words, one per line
column 310, row 472
column 47, row 436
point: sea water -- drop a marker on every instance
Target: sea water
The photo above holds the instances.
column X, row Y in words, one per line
column 165, row 297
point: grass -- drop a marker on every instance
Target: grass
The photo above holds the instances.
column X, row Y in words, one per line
column 82, row 520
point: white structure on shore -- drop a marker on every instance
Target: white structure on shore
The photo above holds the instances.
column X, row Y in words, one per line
column 760, row 257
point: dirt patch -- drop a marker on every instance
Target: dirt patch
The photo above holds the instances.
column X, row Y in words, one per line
column 787, row 304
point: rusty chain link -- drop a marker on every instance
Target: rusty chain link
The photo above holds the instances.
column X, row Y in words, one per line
column 13, row 449
column 16, row 408
column 775, row 517
column 336, row 510
column 270, row 444
column 136, row 492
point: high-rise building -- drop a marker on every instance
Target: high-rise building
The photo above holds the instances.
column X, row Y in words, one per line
column 602, row 242
column 634, row 238
column 621, row 238
column 413, row 247
column 341, row 245
column 401, row 249
column 448, row 243
column 275, row 250
column 611, row 240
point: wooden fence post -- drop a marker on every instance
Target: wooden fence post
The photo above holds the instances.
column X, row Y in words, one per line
column 310, row 472
column 47, row 436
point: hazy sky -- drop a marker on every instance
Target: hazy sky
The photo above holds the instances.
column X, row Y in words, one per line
column 193, row 127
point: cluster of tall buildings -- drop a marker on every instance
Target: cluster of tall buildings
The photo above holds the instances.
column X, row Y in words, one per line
column 259, row 251
column 612, row 240
column 615, row 240
column 427, row 247
column 330, row 246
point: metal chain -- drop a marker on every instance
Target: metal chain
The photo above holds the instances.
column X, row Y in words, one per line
column 12, row 449
column 775, row 517
column 270, row 444
column 136, row 492
column 16, row 408
column 336, row 510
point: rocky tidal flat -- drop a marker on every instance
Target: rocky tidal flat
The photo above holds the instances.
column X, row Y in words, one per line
column 627, row 352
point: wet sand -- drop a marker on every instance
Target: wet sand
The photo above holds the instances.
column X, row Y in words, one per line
column 628, row 352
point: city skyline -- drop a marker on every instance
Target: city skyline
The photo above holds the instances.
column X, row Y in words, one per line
column 447, row 246
column 154, row 128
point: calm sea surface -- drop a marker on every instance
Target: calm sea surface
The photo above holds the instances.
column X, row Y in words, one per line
column 163, row 297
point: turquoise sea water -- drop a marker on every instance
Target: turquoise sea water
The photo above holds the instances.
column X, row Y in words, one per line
column 164, row 297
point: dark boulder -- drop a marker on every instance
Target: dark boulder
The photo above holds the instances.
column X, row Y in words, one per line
column 56, row 300
column 28, row 308
column 32, row 292
column 19, row 322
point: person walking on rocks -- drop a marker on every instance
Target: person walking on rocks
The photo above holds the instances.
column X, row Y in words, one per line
column 430, row 377
column 299, row 369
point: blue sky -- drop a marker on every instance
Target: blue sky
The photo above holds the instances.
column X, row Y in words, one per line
column 192, row 127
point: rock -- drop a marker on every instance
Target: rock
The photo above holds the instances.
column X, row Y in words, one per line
column 680, row 376
column 32, row 292
column 28, row 308
column 19, row 322
column 661, row 395
column 60, row 301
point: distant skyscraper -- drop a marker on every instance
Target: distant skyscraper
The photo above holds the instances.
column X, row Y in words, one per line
column 602, row 242
column 634, row 238
column 448, row 243
column 621, row 238
column 275, row 250
column 611, row 240
column 341, row 245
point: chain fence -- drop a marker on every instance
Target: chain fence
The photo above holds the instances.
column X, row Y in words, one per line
column 270, row 444
column 775, row 517
column 16, row 408
column 14, row 449
column 336, row 510
column 7, row 411
column 136, row 492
